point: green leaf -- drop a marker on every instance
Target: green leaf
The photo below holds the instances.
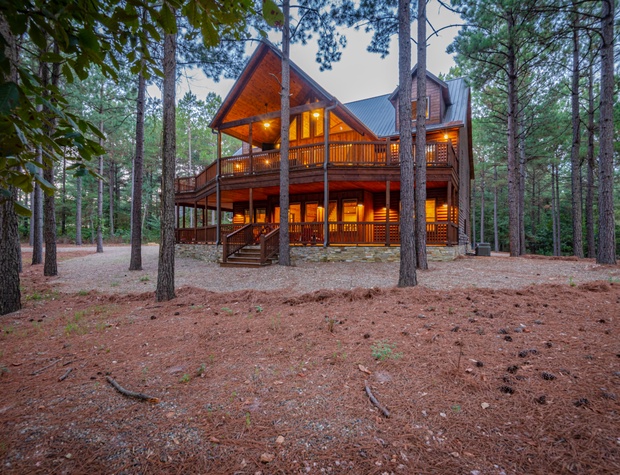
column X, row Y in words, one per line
column 22, row 210
column 209, row 33
column 167, row 19
column 9, row 97
column 50, row 57
column 272, row 13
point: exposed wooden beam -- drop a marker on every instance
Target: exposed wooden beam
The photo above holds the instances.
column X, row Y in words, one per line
column 273, row 115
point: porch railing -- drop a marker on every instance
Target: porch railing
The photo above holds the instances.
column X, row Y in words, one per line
column 236, row 236
column 269, row 245
column 236, row 240
column 373, row 154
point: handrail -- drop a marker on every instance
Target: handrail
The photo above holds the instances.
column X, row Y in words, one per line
column 236, row 240
column 269, row 245
column 377, row 154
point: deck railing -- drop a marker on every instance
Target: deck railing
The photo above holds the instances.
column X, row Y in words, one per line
column 340, row 233
column 269, row 245
column 372, row 154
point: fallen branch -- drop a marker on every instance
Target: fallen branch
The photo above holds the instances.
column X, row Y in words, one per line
column 64, row 376
column 39, row 371
column 125, row 392
column 373, row 399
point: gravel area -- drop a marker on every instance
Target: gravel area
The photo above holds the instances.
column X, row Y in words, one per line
column 497, row 271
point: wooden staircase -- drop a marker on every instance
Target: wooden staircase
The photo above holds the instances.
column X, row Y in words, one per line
column 248, row 256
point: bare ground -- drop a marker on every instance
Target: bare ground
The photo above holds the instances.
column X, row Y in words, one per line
column 490, row 366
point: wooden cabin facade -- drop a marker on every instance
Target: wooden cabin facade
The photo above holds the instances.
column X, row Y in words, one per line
column 344, row 165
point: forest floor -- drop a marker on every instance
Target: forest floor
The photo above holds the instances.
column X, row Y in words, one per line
column 490, row 366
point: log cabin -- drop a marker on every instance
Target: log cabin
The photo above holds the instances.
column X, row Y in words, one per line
column 344, row 167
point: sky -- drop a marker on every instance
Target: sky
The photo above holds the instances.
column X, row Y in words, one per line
column 359, row 74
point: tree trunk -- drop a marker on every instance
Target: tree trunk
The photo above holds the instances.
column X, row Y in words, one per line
column 111, row 185
column 482, row 204
column 50, row 266
column 165, row 274
column 495, row 230
column 606, row 223
column 407, row 274
column 63, row 210
column 284, row 257
column 420, row 143
column 78, row 211
column 522, row 171
column 100, row 182
column 575, row 161
column 135, row 261
column 473, row 212
column 10, row 252
column 513, row 162
column 591, row 167
column 10, row 294
column 37, row 217
column 554, row 231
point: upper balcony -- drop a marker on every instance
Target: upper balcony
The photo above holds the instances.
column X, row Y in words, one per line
column 339, row 154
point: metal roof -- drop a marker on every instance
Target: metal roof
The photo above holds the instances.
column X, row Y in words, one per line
column 379, row 115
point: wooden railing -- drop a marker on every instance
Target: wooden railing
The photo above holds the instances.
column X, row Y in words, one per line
column 236, row 240
column 269, row 245
column 236, row 236
column 375, row 154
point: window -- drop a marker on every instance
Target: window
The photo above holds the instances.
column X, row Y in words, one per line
column 246, row 216
column 414, row 109
column 431, row 207
column 294, row 213
column 311, row 212
column 261, row 215
column 332, row 215
column 305, row 125
column 318, row 123
column 292, row 132
column 349, row 214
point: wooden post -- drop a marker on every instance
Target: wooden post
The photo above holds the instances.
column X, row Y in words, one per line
column 195, row 221
column 388, row 152
column 251, row 170
column 251, row 205
column 218, row 193
column 449, row 230
column 387, row 211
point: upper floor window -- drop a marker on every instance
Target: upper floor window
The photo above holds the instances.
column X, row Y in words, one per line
column 414, row 109
column 307, row 125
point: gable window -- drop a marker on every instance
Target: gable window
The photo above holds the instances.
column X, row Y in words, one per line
column 414, row 109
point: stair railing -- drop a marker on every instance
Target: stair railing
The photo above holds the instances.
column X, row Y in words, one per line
column 269, row 245
column 237, row 240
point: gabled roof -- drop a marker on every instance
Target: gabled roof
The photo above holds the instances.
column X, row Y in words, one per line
column 256, row 93
column 378, row 112
column 442, row 84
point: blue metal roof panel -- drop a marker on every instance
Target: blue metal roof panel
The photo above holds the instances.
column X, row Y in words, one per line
column 377, row 113
column 379, row 116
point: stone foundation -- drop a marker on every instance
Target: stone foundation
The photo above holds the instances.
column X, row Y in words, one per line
column 212, row 253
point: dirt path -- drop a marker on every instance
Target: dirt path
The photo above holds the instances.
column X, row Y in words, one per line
column 107, row 272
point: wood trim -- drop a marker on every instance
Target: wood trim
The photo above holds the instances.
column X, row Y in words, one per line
column 274, row 115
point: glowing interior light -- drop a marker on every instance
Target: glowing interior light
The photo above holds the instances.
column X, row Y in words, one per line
column 316, row 115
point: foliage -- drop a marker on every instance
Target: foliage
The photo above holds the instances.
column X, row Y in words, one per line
column 383, row 350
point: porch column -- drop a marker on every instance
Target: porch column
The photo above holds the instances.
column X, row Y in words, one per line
column 251, row 170
column 195, row 222
column 251, row 205
column 387, row 210
column 218, row 193
column 388, row 152
column 449, row 228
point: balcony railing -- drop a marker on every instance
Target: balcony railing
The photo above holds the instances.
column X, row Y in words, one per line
column 340, row 233
column 366, row 154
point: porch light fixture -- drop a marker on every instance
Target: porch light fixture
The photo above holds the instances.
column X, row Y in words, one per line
column 316, row 115
column 266, row 124
column 445, row 136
